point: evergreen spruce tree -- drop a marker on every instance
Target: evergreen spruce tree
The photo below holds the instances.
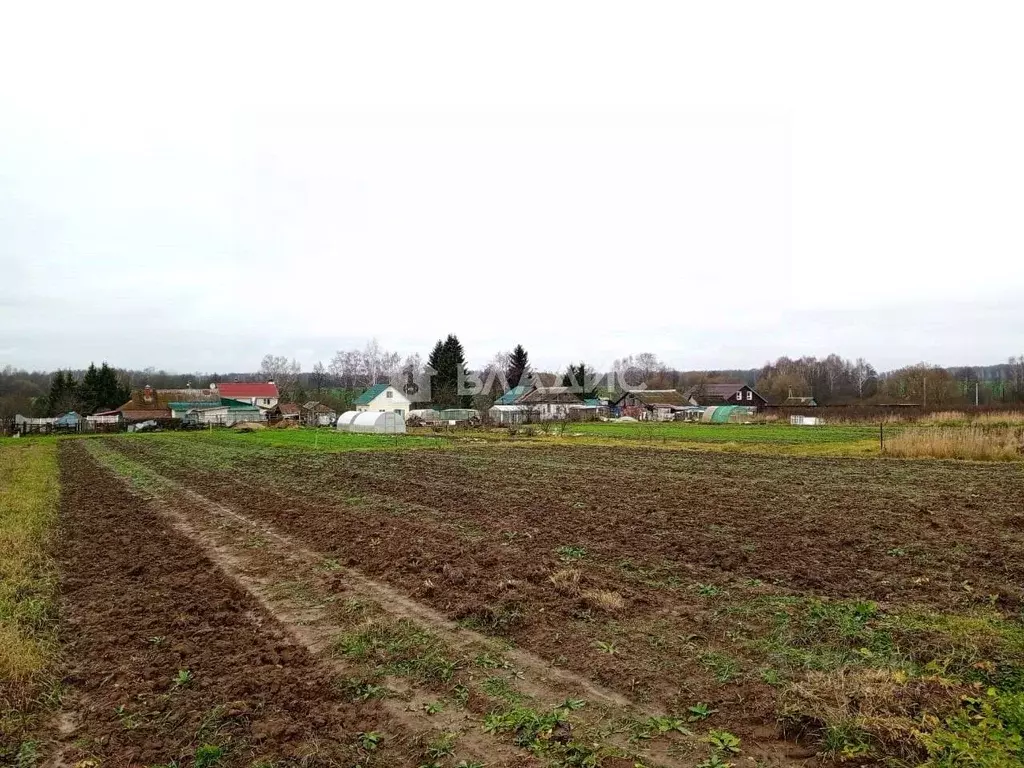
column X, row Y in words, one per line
column 113, row 393
column 63, row 396
column 518, row 366
column 89, row 390
column 447, row 359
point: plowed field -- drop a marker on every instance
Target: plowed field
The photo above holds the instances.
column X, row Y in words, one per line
column 518, row 606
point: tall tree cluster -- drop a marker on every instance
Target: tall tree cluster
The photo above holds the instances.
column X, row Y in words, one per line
column 355, row 368
column 829, row 380
column 448, row 360
column 582, row 379
column 100, row 389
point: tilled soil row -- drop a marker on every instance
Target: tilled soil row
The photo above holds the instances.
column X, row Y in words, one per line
column 848, row 528
column 312, row 596
column 658, row 647
column 167, row 660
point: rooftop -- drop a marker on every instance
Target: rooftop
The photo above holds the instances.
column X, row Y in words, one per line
column 551, row 395
column 510, row 397
column 248, row 389
column 367, row 397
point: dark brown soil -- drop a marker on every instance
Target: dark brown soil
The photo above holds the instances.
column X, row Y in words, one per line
column 477, row 535
column 141, row 607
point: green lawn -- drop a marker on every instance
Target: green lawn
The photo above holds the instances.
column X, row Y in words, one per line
column 314, row 439
column 781, row 434
column 29, row 493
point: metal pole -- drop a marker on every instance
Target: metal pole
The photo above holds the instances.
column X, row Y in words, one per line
column 881, row 437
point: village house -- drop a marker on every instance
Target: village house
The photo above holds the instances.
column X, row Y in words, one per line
column 261, row 394
column 651, row 404
column 547, row 403
column 148, row 403
column 200, row 406
column 383, row 397
column 726, row 393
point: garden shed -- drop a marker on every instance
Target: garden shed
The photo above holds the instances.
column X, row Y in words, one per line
column 374, row 422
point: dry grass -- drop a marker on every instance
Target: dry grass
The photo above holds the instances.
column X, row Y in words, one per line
column 956, row 443
column 604, row 600
column 944, row 417
column 567, row 581
column 854, row 710
column 1000, row 418
column 986, row 419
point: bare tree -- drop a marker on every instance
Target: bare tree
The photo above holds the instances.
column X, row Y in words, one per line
column 285, row 374
column 319, row 377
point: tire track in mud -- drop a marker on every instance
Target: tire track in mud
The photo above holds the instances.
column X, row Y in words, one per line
column 237, row 544
column 165, row 657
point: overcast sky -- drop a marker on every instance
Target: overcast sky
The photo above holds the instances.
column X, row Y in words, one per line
column 192, row 186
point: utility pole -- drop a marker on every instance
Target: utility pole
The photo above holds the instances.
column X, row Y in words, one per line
column 975, row 394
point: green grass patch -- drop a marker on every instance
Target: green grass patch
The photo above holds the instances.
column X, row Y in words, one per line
column 867, row 683
column 400, row 647
column 29, row 495
column 988, row 732
column 328, row 440
column 744, row 434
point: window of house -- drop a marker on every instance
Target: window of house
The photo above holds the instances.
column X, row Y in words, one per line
column 739, row 395
column 388, row 393
column 750, row 395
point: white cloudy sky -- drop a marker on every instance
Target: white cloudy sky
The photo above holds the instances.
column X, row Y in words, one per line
column 191, row 186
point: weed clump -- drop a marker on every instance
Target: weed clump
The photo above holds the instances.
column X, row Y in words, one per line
column 604, row 600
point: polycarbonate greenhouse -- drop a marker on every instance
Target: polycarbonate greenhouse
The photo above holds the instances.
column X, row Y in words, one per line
column 373, row 422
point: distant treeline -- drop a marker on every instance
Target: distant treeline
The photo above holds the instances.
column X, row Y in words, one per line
column 831, row 380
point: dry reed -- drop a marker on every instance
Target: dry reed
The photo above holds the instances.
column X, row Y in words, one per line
column 967, row 442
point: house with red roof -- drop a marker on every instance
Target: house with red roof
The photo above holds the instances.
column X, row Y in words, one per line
column 261, row 394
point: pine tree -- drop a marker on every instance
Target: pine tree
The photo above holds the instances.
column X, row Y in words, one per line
column 518, row 366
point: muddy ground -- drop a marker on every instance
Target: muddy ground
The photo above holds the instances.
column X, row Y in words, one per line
column 168, row 661
column 656, row 575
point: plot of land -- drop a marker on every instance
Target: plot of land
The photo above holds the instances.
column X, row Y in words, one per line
column 237, row 601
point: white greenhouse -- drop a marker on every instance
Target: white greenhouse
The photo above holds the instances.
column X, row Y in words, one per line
column 376, row 422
